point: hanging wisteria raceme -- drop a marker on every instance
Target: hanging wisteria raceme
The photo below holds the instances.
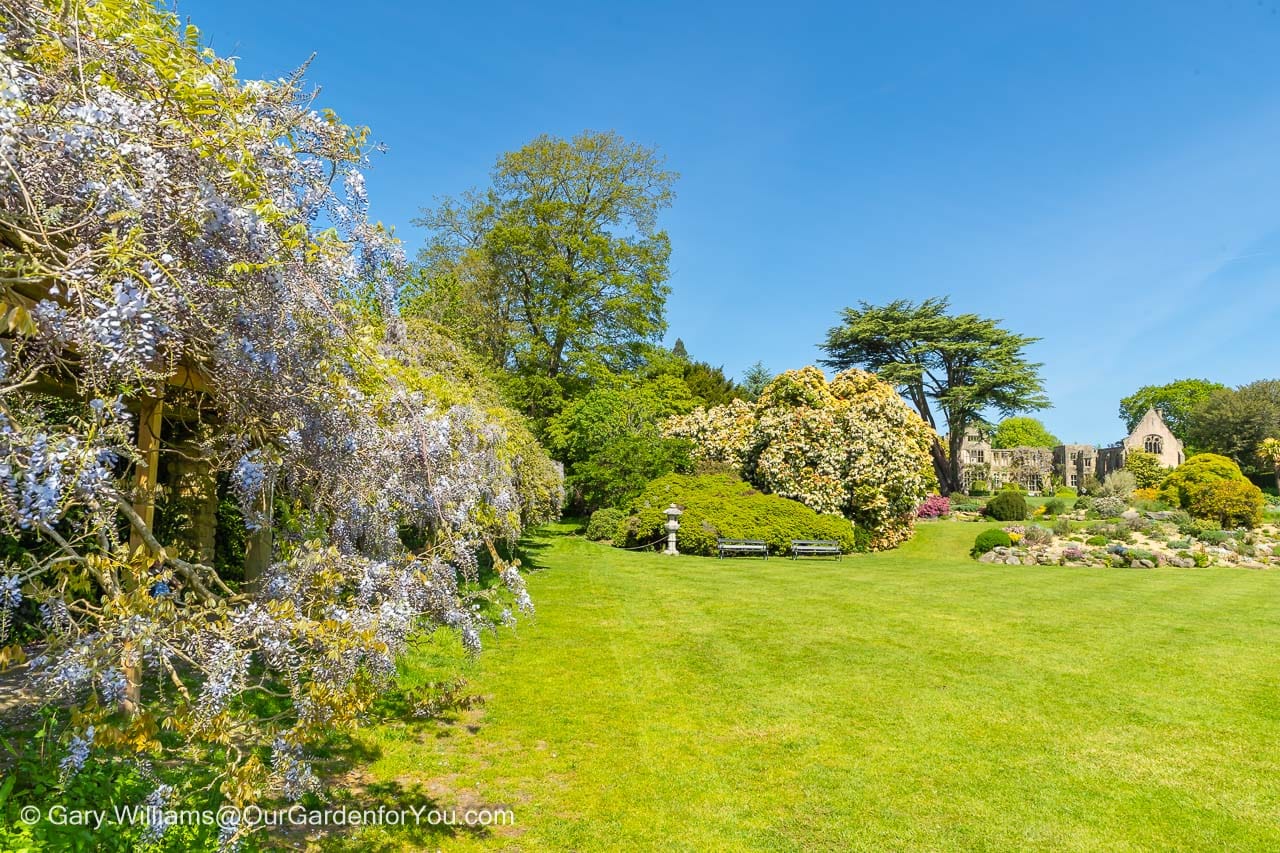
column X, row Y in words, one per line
column 168, row 231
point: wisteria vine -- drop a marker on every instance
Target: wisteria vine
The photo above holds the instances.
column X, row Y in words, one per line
column 170, row 232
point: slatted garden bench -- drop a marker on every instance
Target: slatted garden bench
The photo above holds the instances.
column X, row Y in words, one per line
column 814, row 548
column 738, row 547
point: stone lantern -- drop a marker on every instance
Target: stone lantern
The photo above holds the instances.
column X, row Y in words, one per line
column 673, row 524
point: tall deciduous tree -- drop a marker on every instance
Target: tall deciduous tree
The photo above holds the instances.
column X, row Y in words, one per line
column 1234, row 422
column 1022, row 432
column 562, row 255
column 1175, row 402
column 610, row 441
column 961, row 364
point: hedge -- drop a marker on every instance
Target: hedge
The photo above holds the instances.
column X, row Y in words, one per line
column 721, row 505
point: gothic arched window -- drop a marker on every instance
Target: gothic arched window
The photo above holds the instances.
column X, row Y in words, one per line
column 1153, row 444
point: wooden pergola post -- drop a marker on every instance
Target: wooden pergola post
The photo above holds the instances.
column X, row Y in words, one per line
column 145, row 479
column 150, row 421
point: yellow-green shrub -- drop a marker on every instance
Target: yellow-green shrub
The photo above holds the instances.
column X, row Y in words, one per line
column 1185, row 482
column 721, row 505
column 1231, row 503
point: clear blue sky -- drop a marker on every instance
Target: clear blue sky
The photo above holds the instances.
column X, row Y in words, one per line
column 1106, row 179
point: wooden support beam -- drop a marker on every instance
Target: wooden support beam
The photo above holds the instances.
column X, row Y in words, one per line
column 150, row 421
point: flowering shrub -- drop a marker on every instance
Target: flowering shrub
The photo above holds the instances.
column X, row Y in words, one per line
column 1181, row 485
column 1108, row 507
column 934, row 506
column 1231, row 503
column 850, row 447
column 171, row 233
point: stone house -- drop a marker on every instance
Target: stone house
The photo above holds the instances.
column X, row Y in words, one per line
column 1035, row 468
column 1151, row 435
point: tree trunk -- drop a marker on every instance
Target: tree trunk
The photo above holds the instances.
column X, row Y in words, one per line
column 942, row 468
column 150, row 423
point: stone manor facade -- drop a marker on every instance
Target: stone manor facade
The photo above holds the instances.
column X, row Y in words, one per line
column 1034, row 468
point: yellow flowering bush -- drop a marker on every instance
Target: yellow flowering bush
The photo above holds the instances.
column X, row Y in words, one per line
column 849, row 447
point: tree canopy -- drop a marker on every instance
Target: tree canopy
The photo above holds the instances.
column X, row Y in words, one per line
column 1022, row 432
column 1175, row 401
column 1146, row 469
column 610, row 442
column 559, row 263
column 1235, row 422
column 961, row 364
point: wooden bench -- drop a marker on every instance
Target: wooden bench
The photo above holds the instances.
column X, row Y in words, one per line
column 814, row 548
column 738, row 547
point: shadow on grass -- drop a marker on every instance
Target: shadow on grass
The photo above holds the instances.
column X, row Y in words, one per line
column 422, row 821
column 532, row 547
column 425, row 823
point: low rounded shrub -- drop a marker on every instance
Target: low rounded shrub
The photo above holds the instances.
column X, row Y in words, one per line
column 1185, row 483
column 966, row 507
column 1083, row 502
column 1008, row 505
column 989, row 540
column 721, row 505
column 1055, row 506
column 1231, row 503
column 1108, row 507
column 1062, row 526
column 1214, row 537
column 605, row 525
column 1096, row 541
column 934, row 506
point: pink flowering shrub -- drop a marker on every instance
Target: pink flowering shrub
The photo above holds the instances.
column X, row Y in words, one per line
column 934, row 506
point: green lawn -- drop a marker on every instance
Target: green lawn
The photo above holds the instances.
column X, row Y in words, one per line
column 907, row 700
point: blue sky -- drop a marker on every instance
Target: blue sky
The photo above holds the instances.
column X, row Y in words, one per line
column 1107, row 179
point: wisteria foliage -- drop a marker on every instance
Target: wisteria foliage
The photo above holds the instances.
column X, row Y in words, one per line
column 850, row 447
column 163, row 224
